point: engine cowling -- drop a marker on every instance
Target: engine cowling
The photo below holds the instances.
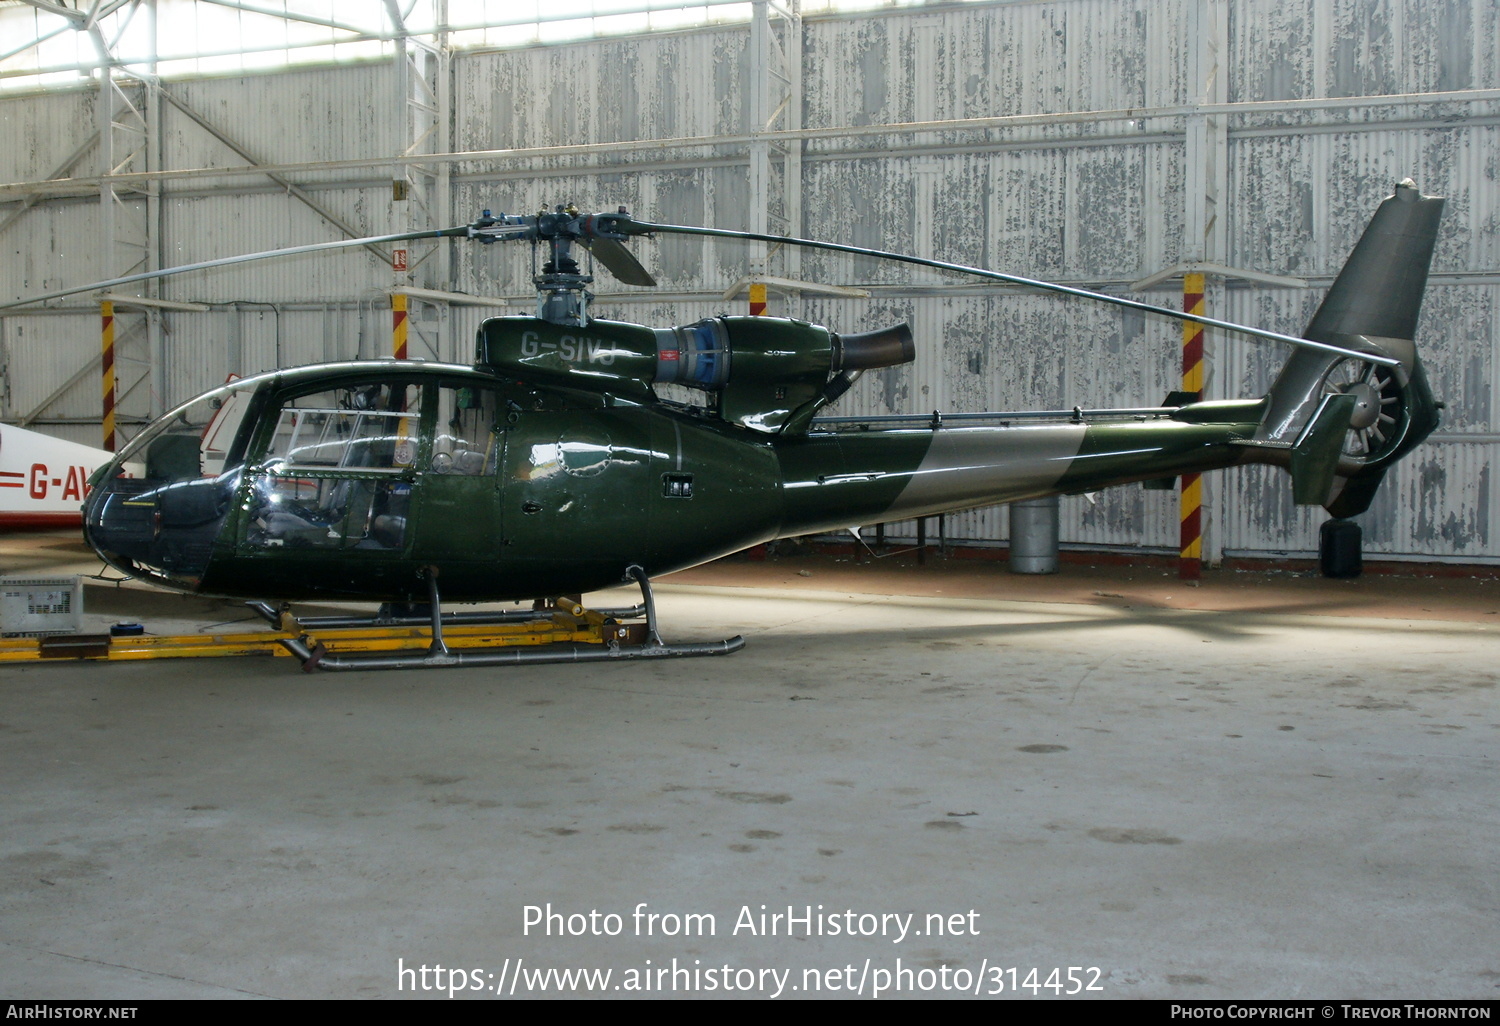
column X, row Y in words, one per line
column 766, row 373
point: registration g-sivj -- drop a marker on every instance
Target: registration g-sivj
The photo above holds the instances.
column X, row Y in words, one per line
column 570, row 348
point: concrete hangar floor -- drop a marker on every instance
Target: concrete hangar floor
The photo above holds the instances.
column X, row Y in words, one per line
column 918, row 781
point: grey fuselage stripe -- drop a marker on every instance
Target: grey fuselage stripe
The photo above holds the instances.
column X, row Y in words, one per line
column 967, row 467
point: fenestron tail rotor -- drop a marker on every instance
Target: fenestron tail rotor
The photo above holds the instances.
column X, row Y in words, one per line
column 1379, row 407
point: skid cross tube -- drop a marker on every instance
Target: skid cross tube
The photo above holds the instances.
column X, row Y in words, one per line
column 314, row 655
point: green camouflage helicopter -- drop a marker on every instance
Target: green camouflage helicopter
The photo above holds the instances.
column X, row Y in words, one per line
column 552, row 466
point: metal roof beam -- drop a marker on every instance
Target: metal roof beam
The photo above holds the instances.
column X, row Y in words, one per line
column 66, row 186
column 143, row 302
column 62, row 169
column 77, row 17
column 398, row 21
column 1218, row 270
column 288, row 15
column 292, row 189
column 454, row 298
column 38, row 41
column 789, row 285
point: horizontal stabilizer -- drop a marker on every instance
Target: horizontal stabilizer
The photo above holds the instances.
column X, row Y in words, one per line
column 1315, row 456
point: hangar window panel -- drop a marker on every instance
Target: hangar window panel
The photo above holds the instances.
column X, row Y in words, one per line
column 196, row 38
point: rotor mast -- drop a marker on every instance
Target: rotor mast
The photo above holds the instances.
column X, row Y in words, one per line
column 562, row 295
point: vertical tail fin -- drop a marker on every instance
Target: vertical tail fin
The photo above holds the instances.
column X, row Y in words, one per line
column 1340, row 450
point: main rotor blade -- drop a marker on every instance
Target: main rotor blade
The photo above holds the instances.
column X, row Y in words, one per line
column 620, row 261
column 245, row 258
column 634, row 227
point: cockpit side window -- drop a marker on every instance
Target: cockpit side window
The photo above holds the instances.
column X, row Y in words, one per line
column 336, row 469
column 371, row 428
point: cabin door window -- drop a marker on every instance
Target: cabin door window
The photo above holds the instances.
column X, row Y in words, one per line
column 337, row 470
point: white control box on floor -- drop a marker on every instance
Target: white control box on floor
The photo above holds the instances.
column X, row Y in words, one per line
column 33, row 606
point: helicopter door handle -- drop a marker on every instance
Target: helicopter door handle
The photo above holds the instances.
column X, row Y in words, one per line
column 531, row 506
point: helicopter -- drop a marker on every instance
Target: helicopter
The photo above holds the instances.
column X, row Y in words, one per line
column 553, row 466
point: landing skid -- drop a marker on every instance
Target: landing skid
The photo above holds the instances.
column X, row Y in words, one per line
column 570, row 634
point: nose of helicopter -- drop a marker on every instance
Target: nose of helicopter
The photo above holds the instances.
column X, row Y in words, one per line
column 158, row 509
column 155, row 528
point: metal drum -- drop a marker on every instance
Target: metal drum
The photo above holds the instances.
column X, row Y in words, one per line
column 1033, row 536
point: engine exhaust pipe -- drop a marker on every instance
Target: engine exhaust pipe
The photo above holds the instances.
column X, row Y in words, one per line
column 887, row 347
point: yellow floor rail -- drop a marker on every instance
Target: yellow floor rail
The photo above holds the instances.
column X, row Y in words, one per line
column 567, row 623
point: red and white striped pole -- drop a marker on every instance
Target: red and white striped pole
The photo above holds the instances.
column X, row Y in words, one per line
column 1190, row 562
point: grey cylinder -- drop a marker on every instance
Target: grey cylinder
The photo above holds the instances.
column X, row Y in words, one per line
column 1033, row 536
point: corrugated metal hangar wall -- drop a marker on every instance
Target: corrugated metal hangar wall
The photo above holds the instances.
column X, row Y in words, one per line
column 1095, row 142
